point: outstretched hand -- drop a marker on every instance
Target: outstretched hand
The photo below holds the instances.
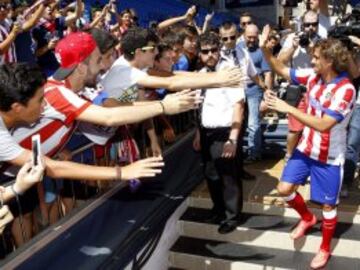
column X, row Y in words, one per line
column 181, row 102
column 209, row 16
column 275, row 103
column 264, row 37
column 231, row 77
column 148, row 167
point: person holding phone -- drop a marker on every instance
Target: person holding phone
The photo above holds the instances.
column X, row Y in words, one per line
column 28, row 175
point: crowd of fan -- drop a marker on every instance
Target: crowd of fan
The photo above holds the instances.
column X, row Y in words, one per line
column 106, row 73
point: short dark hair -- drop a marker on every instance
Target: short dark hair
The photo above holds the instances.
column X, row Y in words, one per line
column 173, row 38
column 136, row 38
column 125, row 11
column 189, row 31
column 19, row 83
column 209, row 38
column 162, row 48
column 104, row 40
column 227, row 25
column 245, row 14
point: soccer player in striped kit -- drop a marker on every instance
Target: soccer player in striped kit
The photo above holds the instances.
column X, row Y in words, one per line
column 321, row 149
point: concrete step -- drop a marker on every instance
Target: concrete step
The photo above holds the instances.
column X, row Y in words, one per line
column 272, row 232
column 199, row 254
column 345, row 214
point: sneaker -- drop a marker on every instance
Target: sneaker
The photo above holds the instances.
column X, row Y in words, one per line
column 302, row 227
column 320, row 259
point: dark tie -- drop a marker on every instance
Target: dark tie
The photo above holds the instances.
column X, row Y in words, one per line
column 236, row 59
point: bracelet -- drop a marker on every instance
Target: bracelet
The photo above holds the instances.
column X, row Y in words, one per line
column 17, row 194
column 163, row 107
column 118, row 172
column 231, row 141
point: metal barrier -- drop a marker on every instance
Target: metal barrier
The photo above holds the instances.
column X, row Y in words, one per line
column 180, row 123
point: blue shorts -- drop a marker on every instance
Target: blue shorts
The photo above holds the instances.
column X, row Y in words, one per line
column 325, row 179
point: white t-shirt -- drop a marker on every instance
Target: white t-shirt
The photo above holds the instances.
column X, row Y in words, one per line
column 96, row 133
column 245, row 62
column 121, row 80
column 218, row 106
column 9, row 148
column 301, row 59
column 324, row 25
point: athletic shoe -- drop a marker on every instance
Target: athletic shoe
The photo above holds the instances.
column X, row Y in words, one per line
column 302, row 227
column 320, row 259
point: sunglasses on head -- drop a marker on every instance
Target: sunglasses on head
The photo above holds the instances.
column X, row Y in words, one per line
column 315, row 24
column 228, row 38
column 148, row 48
column 212, row 50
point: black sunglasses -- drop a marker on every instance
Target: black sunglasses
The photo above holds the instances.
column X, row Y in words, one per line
column 228, row 38
column 212, row 50
column 246, row 23
column 315, row 24
column 5, row 6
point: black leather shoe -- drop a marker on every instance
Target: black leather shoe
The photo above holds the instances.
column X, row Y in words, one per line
column 227, row 226
column 247, row 176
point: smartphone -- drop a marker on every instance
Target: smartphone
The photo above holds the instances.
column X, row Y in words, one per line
column 36, row 148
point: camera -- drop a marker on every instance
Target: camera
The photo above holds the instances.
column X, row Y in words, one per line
column 304, row 40
column 349, row 25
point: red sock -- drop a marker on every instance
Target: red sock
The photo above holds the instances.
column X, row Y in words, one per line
column 299, row 205
column 328, row 229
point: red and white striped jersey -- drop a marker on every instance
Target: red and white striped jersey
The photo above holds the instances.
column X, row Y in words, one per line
column 57, row 123
column 10, row 55
column 335, row 99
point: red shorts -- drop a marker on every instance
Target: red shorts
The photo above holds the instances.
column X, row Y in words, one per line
column 293, row 124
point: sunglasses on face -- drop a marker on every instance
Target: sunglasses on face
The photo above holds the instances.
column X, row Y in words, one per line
column 246, row 23
column 212, row 50
column 314, row 24
column 5, row 6
column 228, row 38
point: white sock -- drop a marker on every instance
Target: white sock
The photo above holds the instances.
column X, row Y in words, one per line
column 330, row 214
column 290, row 197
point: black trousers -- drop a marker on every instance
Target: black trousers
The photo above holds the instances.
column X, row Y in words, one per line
column 223, row 175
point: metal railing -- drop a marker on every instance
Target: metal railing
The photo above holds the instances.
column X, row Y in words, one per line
column 180, row 123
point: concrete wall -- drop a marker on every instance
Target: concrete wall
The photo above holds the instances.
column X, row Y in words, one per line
column 159, row 259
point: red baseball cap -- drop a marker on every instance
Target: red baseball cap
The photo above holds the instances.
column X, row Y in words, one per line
column 71, row 51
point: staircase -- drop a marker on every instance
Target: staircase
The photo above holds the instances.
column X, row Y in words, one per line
column 262, row 239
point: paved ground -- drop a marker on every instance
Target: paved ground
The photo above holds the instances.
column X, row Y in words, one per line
column 262, row 189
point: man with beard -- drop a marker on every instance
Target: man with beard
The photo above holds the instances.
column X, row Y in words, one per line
column 254, row 93
column 80, row 63
column 219, row 138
